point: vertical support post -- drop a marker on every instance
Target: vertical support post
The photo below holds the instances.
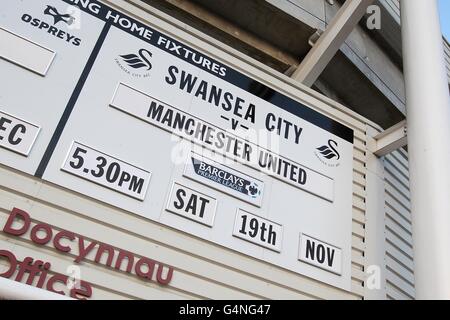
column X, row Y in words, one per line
column 428, row 120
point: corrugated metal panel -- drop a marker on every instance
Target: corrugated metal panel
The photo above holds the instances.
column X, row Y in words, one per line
column 393, row 6
column 398, row 230
column 447, row 57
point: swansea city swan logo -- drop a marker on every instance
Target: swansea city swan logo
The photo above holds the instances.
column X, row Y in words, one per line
column 136, row 64
column 58, row 17
column 140, row 60
column 328, row 154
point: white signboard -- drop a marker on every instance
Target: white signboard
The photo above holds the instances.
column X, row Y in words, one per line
column 233, row 160
column 107, row 171
column 321, row 254
column 25, row 53
column 17, row 135
column 191, row 204
column 258, row 230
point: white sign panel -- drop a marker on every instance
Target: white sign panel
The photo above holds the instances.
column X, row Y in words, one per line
column 320, row 254
column 25, row 53
column 224, row 178
column 169, row 118
column 17, row 135
column 229, row 139
column 258, row 230
column 107, row 171
column 191, row 204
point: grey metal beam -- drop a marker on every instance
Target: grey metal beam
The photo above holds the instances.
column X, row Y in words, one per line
column 331, row 40
column 390, row 140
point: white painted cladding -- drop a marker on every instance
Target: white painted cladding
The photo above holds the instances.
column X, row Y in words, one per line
column 202, row 269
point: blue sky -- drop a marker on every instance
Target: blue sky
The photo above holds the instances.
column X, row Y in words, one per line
column 444, row 7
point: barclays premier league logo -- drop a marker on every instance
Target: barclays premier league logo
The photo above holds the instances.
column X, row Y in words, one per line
column 226, row 179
